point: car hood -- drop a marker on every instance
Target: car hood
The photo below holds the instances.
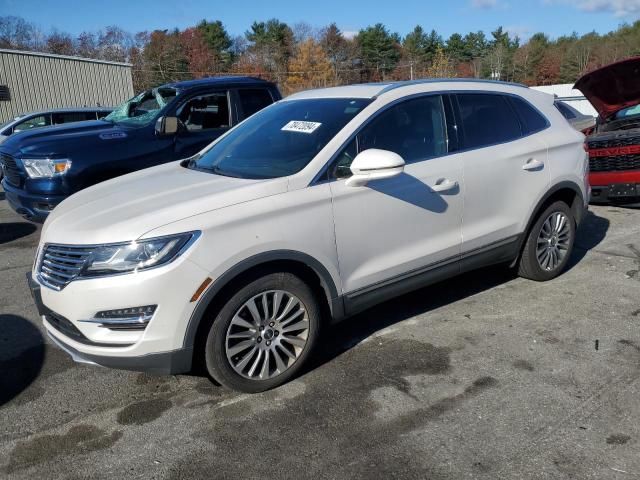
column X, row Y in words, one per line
column 127, row 207
column 62, row 139
column 612, row 88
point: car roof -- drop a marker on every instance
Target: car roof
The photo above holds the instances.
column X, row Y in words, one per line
column 66, row 110
column 373, row 90
column 227, row 80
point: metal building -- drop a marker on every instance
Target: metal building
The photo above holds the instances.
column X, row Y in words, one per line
column 32, row 81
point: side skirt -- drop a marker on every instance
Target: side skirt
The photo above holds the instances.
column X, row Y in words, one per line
column 495, row 253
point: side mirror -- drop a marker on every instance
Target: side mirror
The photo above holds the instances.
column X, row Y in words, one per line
column 374, row 164
column 167, row 126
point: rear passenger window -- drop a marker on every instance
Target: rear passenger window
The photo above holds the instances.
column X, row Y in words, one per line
column 253, row 100
column 532, row 120
column 487, row 119
column 70, row 117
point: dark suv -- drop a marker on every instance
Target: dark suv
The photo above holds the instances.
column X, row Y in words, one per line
column 170, row 122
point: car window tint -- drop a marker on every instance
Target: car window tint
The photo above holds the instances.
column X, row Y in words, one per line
column 531, row 119
column 342, row 164
column 279, row 140
column 35, row 122
column 205, row 112
column 565, row 111
column 69, row 117
column 254, row 99
column 414, row 129
column 487, row 119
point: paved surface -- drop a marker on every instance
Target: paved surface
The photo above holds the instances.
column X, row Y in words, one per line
column 486, row 376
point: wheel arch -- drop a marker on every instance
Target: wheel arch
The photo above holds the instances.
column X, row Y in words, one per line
column 307, row 267
column 566, row 191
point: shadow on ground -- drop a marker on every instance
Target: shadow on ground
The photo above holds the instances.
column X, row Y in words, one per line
column 591, row 233
column 15, row 230
column 18, row 368
column 344, row 336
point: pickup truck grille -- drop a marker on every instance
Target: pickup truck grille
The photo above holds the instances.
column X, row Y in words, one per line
column 614, row 163
column 619, row 141
column 11, row 170
column 61, row 264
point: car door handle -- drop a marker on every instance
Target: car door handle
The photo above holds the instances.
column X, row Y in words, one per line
column 444, row 185
column 533, row 164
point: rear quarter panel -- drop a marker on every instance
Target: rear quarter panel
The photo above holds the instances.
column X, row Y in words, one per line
column 567, row 160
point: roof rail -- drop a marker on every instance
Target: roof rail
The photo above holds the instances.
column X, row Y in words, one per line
column 406, row 83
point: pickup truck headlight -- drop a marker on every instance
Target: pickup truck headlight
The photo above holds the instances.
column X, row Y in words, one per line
column 46, row 167
column 136, row 256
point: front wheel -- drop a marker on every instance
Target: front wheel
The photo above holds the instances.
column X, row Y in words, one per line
column 549, row 244
column 264, row 333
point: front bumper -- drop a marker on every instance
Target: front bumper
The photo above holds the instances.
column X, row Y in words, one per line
column 159, row 348
column 31, row 206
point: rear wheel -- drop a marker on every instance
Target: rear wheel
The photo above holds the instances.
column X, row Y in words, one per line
column 264, row 333
column 549, row 244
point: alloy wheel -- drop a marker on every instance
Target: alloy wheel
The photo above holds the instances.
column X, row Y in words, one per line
column 553, row 241
column 267, row 334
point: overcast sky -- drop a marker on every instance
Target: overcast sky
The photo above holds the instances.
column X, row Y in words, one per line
column 522, row 17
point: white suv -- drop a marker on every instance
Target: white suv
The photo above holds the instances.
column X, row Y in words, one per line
column 313, row 209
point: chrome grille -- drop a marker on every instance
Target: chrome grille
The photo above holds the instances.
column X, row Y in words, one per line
column 11, row 170
column 61, row 264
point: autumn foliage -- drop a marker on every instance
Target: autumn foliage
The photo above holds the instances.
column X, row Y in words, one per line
column 301, row 56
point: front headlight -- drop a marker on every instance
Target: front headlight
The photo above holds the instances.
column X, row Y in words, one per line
column 46, row 167
column 136, row 256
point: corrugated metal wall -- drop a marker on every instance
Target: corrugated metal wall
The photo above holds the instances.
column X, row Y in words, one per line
column 40, row 81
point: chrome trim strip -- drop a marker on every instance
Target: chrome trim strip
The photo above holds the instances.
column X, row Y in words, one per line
column 139, row 322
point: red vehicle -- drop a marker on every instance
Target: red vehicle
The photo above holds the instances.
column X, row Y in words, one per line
column 614, row 145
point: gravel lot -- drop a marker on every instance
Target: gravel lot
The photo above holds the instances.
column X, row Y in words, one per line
column 485, row 376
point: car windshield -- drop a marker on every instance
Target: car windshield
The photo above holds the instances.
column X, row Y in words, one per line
column 279, row 140
column 142, row 109
column 628, row 112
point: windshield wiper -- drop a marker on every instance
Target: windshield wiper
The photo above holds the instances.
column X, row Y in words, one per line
column 218, row 171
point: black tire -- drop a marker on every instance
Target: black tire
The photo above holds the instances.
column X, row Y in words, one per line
column 220, row 368
column 529, row 265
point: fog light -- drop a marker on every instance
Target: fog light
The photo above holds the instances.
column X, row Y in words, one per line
column 135, row 318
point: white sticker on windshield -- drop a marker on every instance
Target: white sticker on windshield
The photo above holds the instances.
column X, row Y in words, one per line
column 301, row 126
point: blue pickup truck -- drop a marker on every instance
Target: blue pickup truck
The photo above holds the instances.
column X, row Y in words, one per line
column 171, row 122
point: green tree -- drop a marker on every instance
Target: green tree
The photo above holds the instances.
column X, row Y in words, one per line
column 272, row 44
column 342, row 54
column 379, row 49
column 419, row 48
column 218, row 40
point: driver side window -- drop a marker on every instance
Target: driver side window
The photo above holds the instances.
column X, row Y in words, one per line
column 414, row 129
column 205, row 112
